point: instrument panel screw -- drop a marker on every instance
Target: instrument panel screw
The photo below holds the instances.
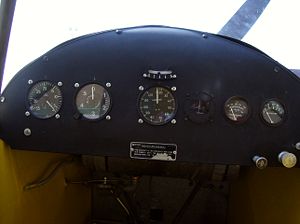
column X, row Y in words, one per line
column 141, row 88
column 174, row 76
column 204, row 35
column 76, row 85
column 145, row 75
column 118, row 31
column 173, row 121
column 27, row 132
column 27, row 113
column 30, row 81
column 108, row 85
column 173, row 88
column 140, row 121
column 2, row 99
column 57, row 116
column 108, row 117
column 276, row 69
column 45, row 58
column 297, row 146
column 59, row 83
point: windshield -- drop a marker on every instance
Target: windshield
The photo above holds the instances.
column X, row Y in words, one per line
column 41, row 25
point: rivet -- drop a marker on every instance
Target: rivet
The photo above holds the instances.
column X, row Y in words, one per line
column 204, row 35
column 141, row 88
column 27, row 132
column 297, row 146
column 27, row 113
column 57, row 116
column 173, row 121
column 59, row 83
column 76, row 85
column 173, row 88
column 145, row 75
column 276, row 69
column 2, row 99
column 30, row 81
column 118, row 31
column 108, row 85
column 108, row 117
column 140, row 121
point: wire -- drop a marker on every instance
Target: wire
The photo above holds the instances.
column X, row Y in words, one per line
column 45, row 180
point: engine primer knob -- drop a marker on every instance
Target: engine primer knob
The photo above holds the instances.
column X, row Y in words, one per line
column 287, row 159
column 260, row 162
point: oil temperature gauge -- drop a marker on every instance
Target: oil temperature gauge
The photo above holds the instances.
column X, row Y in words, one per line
column 93, row 101
column 273, row 112
column 236, row 109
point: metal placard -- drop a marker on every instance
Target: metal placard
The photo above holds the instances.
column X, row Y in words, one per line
column 153, row 151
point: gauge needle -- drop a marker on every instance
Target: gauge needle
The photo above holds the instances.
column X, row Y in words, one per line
column 269, row 117
column 157, row 99
column 50, row 105
column 234, row 117
column 93, row 89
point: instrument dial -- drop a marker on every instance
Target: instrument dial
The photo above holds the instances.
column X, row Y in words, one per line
column 157, row 105
column 199, row 107
column 45, row 99
column 93, row 101
column 236, row 109
column 273, row 112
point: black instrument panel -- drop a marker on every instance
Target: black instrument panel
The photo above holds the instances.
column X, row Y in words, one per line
column 177, row 94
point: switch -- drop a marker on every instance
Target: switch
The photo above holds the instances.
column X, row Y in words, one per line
column 287, row 159
column 260, row 162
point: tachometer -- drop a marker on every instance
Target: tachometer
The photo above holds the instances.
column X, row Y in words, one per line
column 93, row 101
column 157, row 105
column 236, row 109
column 45, row 99
column 273, row 112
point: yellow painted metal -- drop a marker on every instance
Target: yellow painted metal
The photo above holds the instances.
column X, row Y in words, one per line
column 257, row 197
column 52, row 203
column 266, row 196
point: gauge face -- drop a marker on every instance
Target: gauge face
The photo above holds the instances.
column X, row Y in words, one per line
column 199, row 107
column 273, row 112
column 157, row 105
column 236, row 109
column 93, row 101
column 45, row 99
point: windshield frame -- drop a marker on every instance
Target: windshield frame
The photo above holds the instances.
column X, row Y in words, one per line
column 7, row 9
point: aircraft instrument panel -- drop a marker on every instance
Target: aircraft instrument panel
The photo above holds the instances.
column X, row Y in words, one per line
column 156, row 93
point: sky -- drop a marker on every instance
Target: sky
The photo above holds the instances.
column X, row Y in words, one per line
column 40, row 25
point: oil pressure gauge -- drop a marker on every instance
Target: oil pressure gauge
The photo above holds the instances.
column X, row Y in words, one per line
column 273, row 112
column 236, row 109
column 93, row 101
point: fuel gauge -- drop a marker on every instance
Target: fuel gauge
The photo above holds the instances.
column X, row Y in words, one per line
column 236, row 109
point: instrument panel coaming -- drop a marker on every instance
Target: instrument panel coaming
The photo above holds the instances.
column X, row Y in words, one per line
column 207, row 71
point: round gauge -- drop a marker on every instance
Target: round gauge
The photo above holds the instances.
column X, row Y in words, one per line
column 93, row 101
column 273, row 112
column 157, row 105
column 45, row 99
column 199, row 107
column 236, row 109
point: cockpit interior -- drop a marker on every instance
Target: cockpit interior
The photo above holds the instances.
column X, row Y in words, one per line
column 150, row 124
